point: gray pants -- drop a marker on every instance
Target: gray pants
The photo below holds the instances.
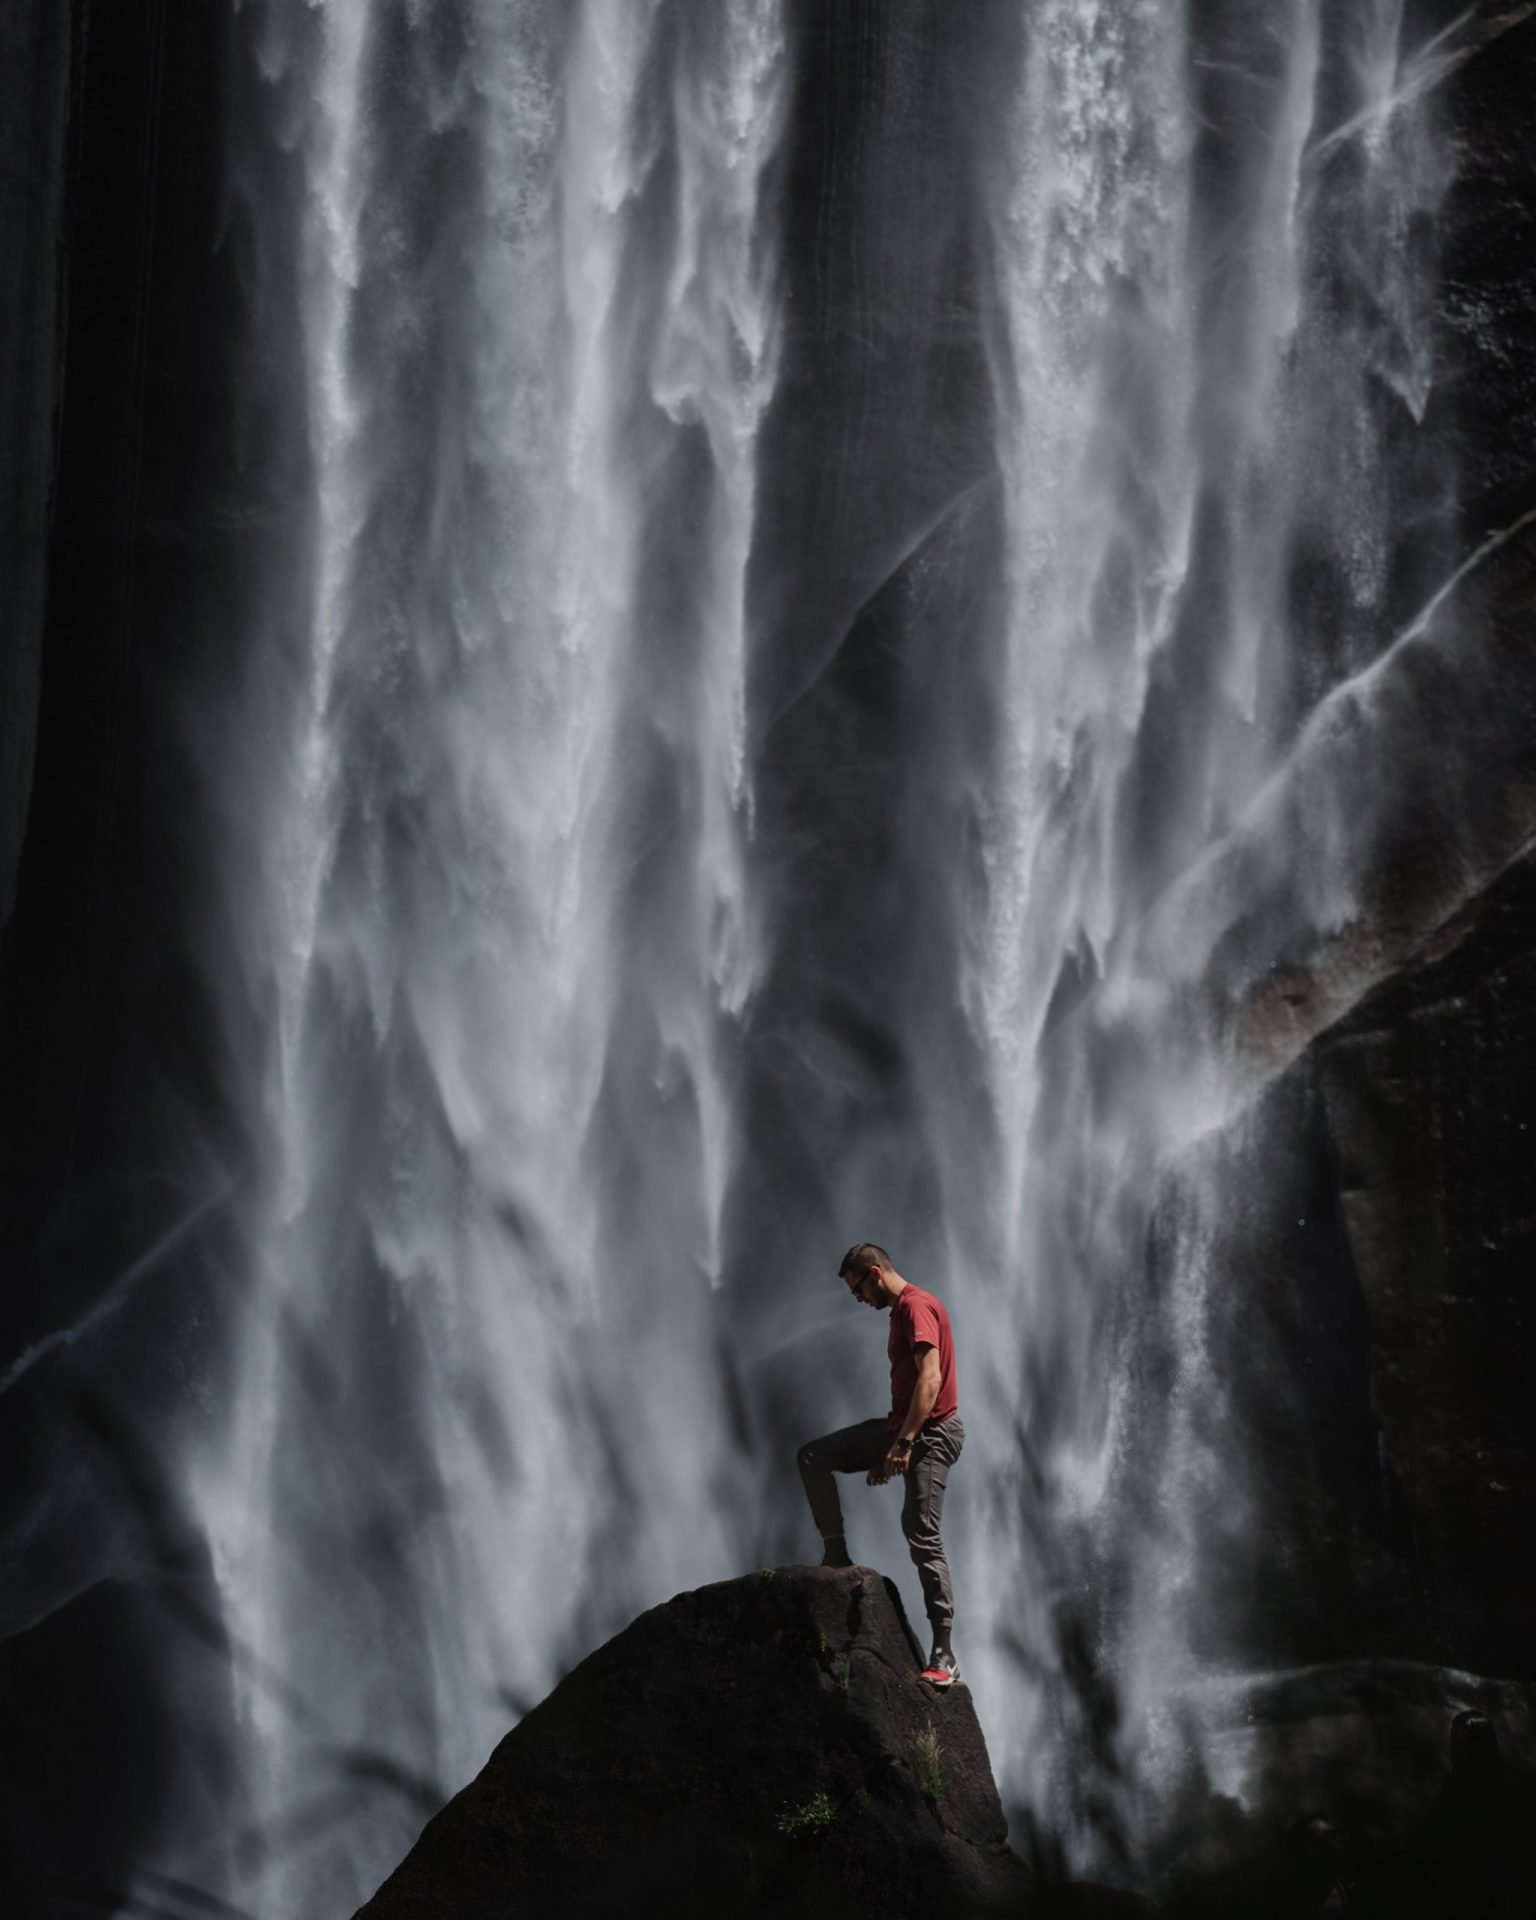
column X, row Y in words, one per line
column 860, row 1449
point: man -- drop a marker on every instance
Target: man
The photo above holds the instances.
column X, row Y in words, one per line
column 920, row 1438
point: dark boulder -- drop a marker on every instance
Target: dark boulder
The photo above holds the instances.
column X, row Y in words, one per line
column 764, row 1742
column 1459, row 1851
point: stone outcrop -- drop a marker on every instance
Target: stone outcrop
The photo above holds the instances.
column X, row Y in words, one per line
column 1376, row 1356
column 762, row 1746
column 1430, row 1108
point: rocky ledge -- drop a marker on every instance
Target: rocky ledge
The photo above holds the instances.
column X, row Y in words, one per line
column 765, row 1742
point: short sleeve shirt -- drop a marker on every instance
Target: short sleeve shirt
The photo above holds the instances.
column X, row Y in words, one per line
column 918, row 1319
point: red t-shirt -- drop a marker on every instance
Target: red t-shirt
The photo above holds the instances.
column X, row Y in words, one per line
column 918, row 1318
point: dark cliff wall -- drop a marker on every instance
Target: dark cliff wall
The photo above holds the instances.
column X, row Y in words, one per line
column 34, row 102
column 1429, row 1101
column 1485, row 405
column 1372, row 1308
column 136, row 571
column 118, row 541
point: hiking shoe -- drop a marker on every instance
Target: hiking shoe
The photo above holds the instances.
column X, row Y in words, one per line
column 942, row 1670
column 836, row 1554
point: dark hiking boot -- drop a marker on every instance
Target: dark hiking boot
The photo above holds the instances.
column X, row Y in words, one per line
column 942, row 1670
column 836, row 1554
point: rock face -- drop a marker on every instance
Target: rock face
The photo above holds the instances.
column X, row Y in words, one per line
column 765, row 1742
column 1379, row 1350
column 1484, row 411
column 1431, row 1111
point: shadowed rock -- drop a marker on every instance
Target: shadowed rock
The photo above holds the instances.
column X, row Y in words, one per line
column 765, row 1741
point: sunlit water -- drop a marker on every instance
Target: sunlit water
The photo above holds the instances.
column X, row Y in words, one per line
column 526, row 969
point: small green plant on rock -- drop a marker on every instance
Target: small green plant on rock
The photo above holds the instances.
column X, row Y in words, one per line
column 926, row 1759
column 808, row 1818
column 842, row 1669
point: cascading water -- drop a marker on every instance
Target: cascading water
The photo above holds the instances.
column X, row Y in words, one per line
column 1208, row 340
column 494, row 930
column 546, row 996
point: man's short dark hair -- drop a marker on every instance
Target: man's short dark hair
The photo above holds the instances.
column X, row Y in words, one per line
column 863, row 1254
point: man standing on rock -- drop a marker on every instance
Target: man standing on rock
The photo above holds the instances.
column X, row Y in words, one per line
column 920, row 1437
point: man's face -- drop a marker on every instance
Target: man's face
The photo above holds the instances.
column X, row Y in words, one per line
column 865, row 1287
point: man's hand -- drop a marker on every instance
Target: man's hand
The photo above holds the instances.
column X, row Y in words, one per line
column 897, row 1460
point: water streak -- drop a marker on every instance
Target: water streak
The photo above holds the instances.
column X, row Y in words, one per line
column 495, row 939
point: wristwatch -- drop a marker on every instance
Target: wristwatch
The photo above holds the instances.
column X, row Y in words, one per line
column 903, row 1442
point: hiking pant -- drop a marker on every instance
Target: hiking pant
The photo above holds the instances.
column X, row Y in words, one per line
column 861, row 1449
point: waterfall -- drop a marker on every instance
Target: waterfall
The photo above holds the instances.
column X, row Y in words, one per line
column 1210, row 331
column 602, row 956
column 491, row 927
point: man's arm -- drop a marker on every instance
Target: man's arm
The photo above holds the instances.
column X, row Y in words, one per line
column 924, row 1394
